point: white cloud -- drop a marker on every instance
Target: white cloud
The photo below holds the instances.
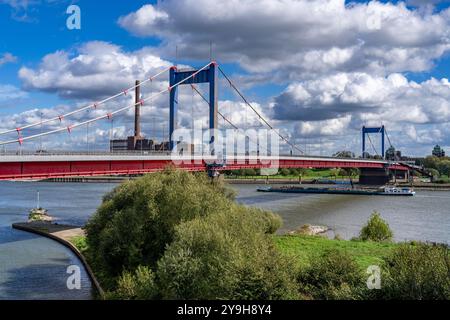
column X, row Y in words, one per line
column 7, row 58
column 301, row 38
column 146, row 17
column 330, row 127
column 9, row 92
column 98, row 69
column 370, row 99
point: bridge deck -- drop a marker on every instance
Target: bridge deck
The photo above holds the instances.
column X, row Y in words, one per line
column 66, row 165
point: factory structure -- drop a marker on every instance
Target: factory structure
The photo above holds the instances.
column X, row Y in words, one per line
column 138, row 142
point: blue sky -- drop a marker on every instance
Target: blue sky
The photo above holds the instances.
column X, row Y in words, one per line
column 32, row 31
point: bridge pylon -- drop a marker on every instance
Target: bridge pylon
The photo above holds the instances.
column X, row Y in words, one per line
column 208, row 75
column 367, row 130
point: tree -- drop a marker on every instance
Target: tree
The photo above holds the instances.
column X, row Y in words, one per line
column 250, row 172
column 335, row 172
column 444, row 167
column 376, row 229
column 431, row 162
column 433, row 173
column 137, row 219
column 178, row 235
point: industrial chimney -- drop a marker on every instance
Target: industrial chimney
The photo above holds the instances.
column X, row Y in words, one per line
column 137, row 112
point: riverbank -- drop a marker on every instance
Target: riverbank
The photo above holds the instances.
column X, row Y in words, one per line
column 306, row 248
column 66, row 235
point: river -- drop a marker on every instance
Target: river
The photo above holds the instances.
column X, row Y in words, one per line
column 32, row 267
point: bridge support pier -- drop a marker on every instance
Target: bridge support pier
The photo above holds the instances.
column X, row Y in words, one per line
column 400, row 176
column 374, row 176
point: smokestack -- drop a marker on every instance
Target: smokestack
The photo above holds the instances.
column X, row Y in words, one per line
column 137, row 111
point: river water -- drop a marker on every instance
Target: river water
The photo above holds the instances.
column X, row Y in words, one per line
column 32, row 267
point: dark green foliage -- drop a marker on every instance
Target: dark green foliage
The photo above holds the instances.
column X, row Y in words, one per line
column 175, row 234
column 139, row 285
column 376, row 229
column 225, row 256
column 334, row 275
column 417, row 272
column 137, row 219
column 441, row 164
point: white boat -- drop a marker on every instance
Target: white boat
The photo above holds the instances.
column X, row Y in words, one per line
column 396, row 191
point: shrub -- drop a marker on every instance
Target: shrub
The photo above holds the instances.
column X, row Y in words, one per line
column 225, row 256
column 139, row 285
column 250, row 172
column 417, row 272
column 376, row 229
column 332, row 276
column 137, row 219
column 285, row 172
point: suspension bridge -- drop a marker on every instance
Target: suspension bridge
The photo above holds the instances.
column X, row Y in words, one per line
column 22, row 165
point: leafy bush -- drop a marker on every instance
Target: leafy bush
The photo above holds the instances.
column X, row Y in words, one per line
column 332, row 276
column 417, row 272
column 376, row 229
column 139, row 285
column 225, row 256
column 442, row 179
column 137, row 219
column 250, row 172
column 285, row 172
column 179, row 235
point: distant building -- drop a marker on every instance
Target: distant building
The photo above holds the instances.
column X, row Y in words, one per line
column 131, row 144
column 118, row 145
column 438, row 151
column 163, row 146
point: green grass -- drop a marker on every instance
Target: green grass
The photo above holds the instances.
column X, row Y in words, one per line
column 305, row 248
column 80, row 243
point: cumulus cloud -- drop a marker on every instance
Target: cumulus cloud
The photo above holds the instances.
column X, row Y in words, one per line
column 97, row 69
column 330, row 127
column 370, row 99
column 299, row 37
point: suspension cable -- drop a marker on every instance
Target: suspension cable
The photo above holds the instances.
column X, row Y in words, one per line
column 257, row 113
column 371, row 143
column 225, row 118
column 92, row 105
column 109, row 115
column 389, row 140
column 194, row 88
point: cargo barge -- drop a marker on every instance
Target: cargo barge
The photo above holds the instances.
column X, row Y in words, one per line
column 385, row 191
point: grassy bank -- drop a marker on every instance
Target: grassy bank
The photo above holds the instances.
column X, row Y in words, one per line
column 306, row 248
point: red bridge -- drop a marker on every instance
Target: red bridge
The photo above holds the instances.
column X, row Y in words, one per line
column 14, row 167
